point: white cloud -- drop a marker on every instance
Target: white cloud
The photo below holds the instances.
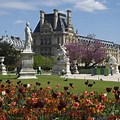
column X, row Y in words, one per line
column 84, row 5
column 17, row 5
column 90, row 5
column 87, row 5
column 28, row 5
column 19, row 21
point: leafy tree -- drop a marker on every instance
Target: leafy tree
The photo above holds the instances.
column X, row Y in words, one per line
column 44, row 62
column 89, row 53
column 12, row 56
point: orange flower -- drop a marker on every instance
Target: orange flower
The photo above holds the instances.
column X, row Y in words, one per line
column 34, row 100
column 90, row 118
column 48, row 88
column 92, row 93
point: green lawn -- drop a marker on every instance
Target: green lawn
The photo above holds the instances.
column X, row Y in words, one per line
column 79, row 85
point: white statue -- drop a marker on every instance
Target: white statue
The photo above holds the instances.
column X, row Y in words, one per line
column 113, row 65
column 28, row 37
column 112, row 60
column 61, row 52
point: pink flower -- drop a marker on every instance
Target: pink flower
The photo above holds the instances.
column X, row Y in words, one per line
column 13, row 103
column 1, row 99
column 45, row 99
column 85, row 93
column 59, row 94
column 89, row 102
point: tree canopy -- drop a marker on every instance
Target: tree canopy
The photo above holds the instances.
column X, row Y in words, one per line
column 89, row 53
column 12, row 56
column 44, row 62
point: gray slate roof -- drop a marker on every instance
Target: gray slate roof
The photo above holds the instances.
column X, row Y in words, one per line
column 15, row 41
column 49, row 18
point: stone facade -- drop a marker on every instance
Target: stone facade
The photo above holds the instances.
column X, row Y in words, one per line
column 53, row 29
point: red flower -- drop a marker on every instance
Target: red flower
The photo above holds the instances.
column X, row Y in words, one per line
column 33, row 94
column 90, row 118
column 34, row 100
column 76, row 105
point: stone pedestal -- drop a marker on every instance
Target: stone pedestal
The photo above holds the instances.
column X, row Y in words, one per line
column 27, row 71
column 2, row 67
column 61, row 66
column 114, row 68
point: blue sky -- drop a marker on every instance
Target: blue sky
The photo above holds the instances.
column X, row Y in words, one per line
column 99, row 17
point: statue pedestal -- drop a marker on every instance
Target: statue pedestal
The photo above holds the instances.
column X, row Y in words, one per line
column 61, row 66
column 115, row 69
column 2, row 67
column 27, row 71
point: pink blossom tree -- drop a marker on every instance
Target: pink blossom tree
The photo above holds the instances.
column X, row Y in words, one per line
column 89, row 53
column 74, row 51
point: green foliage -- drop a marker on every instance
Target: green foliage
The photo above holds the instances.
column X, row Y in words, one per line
column 45, row 62
column 11, row 55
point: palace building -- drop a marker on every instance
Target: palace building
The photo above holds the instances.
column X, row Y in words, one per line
column 55, row 28
column 51, row 30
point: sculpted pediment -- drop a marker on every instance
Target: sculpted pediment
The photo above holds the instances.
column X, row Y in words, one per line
column 46, row 27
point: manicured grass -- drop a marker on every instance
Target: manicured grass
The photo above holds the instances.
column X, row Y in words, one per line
column 79, row 84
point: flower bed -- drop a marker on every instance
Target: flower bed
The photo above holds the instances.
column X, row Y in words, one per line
column 28, row 102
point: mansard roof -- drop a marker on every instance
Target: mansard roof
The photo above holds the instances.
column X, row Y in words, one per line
column 15, row 41
column 104, row 42
column 49, row 18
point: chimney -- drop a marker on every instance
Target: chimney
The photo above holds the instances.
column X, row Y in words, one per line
column 55, row 18
column 42, row 18
column 68, row 18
